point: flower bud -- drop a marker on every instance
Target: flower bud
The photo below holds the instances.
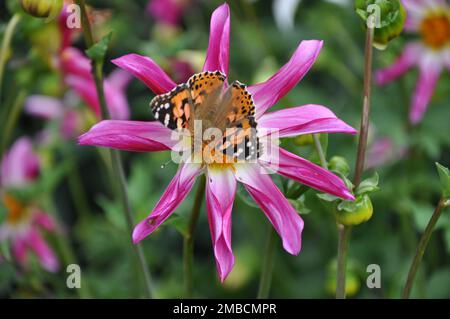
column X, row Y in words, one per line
column 339, row 164
column 387, row 17
column 354, row 213
column 41, row 8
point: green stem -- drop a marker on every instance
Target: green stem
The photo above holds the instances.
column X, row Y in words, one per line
column 11, row 120
column 344, row 231
column 424, row 240
column 343, row 240
column 188, row 243
column 265, row 281
column 320, row 152
column 117, row 167
column 5, row 46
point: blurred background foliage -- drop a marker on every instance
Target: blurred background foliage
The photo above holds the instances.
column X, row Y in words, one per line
column 81, row 198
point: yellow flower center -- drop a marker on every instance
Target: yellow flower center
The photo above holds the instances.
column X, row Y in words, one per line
column 15, row 210
column 435, row 30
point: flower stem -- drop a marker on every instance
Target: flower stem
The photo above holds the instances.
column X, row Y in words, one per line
column 344, row 231
column 265, row 280
column 320, row 152
column 343, row 240
column 117, row 167
column 5, row 46
column 364, row 128
column 11, row 120
column 188, row 243
column 424, row 240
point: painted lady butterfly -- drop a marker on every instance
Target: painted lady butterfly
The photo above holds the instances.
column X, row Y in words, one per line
column 230, row 109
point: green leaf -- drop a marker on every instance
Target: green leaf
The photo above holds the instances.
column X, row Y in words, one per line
column 327, row 197
column 181, row 223
column 444, row 175
column 369, row 185
column 98, row 51
column 300, row 206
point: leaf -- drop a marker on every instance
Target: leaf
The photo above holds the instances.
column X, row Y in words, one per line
column 181, row 223
column 97, row 52
column 327, row 197
column 444, row 175
column 299, row 205
column 369, row 185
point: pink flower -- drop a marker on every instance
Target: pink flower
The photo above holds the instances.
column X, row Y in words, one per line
column 167, row 11
column 383, row 151
column 76, row 69
column 222, row 179
column 19, row 167
column 431, row 54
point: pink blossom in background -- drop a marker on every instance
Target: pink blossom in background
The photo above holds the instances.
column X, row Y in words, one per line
column 430, row 20
column 24, row 221
column 167, row 11
column 222, row 179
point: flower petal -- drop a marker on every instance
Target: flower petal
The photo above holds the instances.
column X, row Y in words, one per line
column 147, row 71
column 44, row 220
column 117, row 101
column 218, row 54
column 220, row 192
column 74, row 62
column 268, row 93
column 129, row 136
column 276, row 207
column 305, row 172
column 45, row 107
column 85, row 88
column 407, row 59
column 175, row 193
column 20, row 165
column 426, row 84
column 306, row 119
column 44, row 253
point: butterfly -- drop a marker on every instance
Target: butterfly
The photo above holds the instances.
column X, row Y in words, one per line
column 230, row 109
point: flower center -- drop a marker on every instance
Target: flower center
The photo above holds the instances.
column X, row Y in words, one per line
column 15, row 210
column 435, row 30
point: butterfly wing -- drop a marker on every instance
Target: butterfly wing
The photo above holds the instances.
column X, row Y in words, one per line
column 173, row 109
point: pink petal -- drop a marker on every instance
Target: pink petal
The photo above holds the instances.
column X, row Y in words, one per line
column 119, row 79
column 305, row 172
column 44, row 220
column 306, row 119
column 65, row 31
column 45, row 107
column 19, row 250
column 276, row 207
column 426, row 84
column 117, row 101
column 147, row 71
column 20, row 165
column 268, row 93
column 407, row 59
column 220, row 192
column 129, row 136
column 75, row 63
column 175, row 193
column 218, row 54
column 166, row 11
column 44, row 253
column 85, row 88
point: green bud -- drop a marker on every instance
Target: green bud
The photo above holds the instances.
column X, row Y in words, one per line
column 356, row 212
column 42, row 8
column 387, row 17
column 339, row 164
